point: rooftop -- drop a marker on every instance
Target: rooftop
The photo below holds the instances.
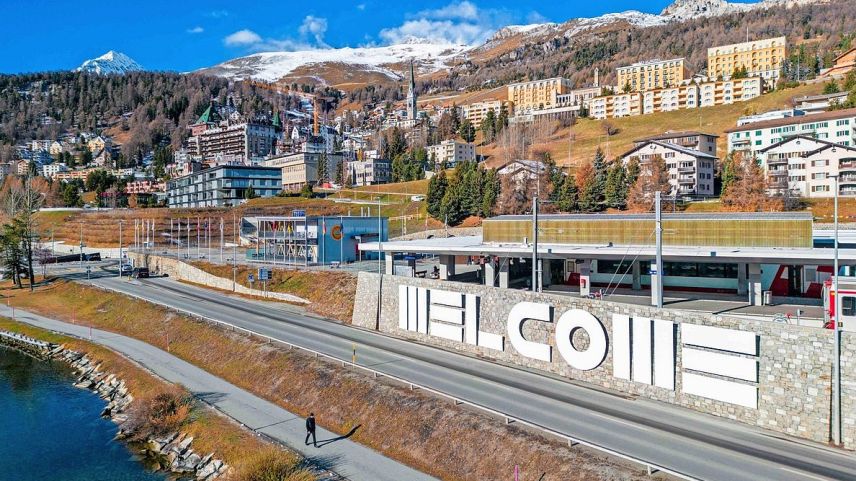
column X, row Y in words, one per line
column 651, row 62
column 797, row 120
column 676, row 135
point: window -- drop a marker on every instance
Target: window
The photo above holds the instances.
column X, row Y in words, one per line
column 848, row 305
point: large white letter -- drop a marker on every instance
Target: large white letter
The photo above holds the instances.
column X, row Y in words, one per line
column 594, row 355
column 519, row 313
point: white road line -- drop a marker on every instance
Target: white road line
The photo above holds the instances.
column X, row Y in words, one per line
column 794, row 471
column 626, row 423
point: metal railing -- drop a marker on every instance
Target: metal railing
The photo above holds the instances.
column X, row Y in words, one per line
column 509, row 419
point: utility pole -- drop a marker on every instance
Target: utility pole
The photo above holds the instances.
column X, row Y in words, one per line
column 836, row 332
column 658, row 229
column 535, row 244
column 121, row 258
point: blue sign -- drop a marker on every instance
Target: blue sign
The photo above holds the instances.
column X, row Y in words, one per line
column 264, row 274
column 298, row 213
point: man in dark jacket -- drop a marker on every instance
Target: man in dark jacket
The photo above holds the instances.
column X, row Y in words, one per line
column 310, row 429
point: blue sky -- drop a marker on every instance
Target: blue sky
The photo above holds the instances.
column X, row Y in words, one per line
column 43, row 35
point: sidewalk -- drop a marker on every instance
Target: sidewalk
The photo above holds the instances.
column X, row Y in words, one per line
column 347, row 458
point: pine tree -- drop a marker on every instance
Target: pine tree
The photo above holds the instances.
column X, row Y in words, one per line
column 599, row 165
column 728, row 174
column 587, row 196
column 250, row 193
column 490, row 192
column 632, row 173
column 322, row 171
column 488, row 126
column 615, row 192
column 436, row 191
column 566, row 195
column 454, row 118
column 467, row 131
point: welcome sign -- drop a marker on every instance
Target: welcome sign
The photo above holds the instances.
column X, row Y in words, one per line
column 715, row 363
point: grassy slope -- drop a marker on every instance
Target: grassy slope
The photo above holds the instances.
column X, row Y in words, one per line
column 432, row 435
column 331, row 293
column 211, row 432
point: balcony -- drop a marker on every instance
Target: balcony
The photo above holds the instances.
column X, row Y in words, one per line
column 776, row 160
column 686, row 180
column 847, row 179
column 686, row 170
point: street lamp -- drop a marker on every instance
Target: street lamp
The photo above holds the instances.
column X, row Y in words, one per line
column 836, row 330
column 121, row 257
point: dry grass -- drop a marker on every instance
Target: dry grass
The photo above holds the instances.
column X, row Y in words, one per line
column 211, row 431
column 331, row 293
column 429, row 434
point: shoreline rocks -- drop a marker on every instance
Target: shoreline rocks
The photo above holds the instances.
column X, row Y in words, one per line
column 174, row 451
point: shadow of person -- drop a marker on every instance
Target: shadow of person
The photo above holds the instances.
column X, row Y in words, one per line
column 350, row 433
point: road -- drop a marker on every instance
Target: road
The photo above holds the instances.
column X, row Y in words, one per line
column 343, row 456
column 697, row 445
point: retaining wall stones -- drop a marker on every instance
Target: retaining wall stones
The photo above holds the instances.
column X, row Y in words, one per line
column 183, row 271
column 794, row 362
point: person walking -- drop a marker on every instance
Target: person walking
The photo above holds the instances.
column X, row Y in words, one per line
column 310, row 429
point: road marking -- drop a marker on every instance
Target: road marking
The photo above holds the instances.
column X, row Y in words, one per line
column 794, row 471
column 626, row 423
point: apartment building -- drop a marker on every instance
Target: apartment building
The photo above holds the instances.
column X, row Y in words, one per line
column 147, row 186
column 843, row 64
column 451, row 152
column 688, row 95
column 652, row 74
column 760, row 58
column 537, row 94
column 688, row 139
column 691, row 171
column 246, row 141
column 370, row 171
column 838, row 126
column 615, row 106
column 806, row 167
column 477, row 111
column 51, row 170
column 222, row 186
column 724, row 92
column 301, row 168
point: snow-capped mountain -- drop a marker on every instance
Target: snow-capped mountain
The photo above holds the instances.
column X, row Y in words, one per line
column 111, row 62
column 389, row 61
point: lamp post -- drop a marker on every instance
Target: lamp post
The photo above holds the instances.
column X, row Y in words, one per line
column 121, row 258
column 535, row 244
column 836, row 332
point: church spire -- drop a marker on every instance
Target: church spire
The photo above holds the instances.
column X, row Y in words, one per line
column 411, row 95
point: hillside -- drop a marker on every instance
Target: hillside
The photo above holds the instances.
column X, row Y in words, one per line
column 589, row 134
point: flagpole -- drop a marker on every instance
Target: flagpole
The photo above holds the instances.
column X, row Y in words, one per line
column 221, row 240
column 341, row 241
column 198, row 221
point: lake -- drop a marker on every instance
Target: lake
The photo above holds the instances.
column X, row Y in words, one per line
column 52, row 431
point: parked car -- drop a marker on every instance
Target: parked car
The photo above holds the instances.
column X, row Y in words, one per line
column 140, row 273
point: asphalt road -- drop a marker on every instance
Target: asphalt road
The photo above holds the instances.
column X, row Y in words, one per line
column 345, row 457
column 698, row 445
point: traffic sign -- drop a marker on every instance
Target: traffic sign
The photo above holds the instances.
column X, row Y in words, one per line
column 250, row 278
column 264, row 274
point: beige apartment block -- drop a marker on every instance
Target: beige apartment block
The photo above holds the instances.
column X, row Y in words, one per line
column 723, row 92
column 537, row 94
column 652, row 74
column 477, row 111
column 761, row 58
column 614, row 106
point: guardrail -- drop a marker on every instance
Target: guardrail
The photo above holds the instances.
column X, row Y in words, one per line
column 509, row 419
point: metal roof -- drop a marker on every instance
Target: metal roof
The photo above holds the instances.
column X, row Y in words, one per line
column 677, row 216
column 473, row 245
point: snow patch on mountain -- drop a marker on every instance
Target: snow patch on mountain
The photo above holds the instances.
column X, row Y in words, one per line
column 111, row 62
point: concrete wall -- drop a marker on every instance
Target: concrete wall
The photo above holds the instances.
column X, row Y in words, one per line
column 182, row 271
column 794, row 363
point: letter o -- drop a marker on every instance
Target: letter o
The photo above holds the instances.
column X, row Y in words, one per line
column 598, row 345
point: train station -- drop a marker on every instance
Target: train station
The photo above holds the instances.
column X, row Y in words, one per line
column 759, row 257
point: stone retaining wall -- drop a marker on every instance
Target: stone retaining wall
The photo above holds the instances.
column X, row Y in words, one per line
column 183, row 271
column 794, row 362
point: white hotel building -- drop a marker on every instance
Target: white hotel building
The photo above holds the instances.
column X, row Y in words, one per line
column 838, row 127
column 806, row 167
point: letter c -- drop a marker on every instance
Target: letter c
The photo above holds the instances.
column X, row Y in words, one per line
column 594, row 355
column 519, row 313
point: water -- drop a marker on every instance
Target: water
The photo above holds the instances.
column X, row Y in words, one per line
column 52, row 431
